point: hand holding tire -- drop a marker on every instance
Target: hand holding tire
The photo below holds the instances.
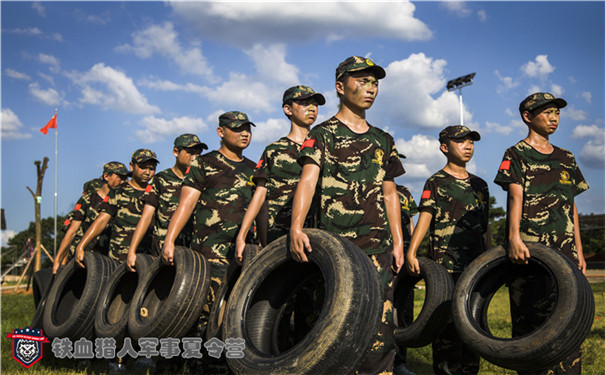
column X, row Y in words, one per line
column 80, row 257
column 168, row 253
column 518, row 252
column 299, row 242
column 411, row 265
column 131, row 261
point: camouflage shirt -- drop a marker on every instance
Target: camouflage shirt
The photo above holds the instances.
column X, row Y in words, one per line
column 163, row 193
column 550, row 183
column 125, row 205
column 353, row 168
column 408, row 210
column 460, row 209
column 226, row 191
column 281, row 172
column 86, row 211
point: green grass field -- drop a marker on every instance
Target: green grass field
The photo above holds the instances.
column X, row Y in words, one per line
column 17, row 312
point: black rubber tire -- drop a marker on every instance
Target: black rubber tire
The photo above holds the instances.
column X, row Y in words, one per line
column 111, row 317
column 43, row 280
column 436, row 310
column 217, row 312
column 559, row 336
column 346, row 326
column 73, row 297
column 169, row 299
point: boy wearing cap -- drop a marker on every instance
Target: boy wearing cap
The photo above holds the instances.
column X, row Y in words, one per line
column 353, row 164
column 542, row 181
column 87, row 210
column 123, row 207
column 455, row 206
column 221, row 182
column 277, row 172
column 162, row 196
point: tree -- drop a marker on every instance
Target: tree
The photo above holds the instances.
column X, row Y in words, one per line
column 497, row 222
column 40, row 170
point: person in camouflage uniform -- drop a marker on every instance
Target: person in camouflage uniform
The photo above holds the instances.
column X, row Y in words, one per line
column 162, row 196
column 87, row 210
column 455, row 206
column 408, row 210
column 89, row 187
column 277, row 172
column 123, row 207
column 352, row 166
column 542, row 181
column 217, row 190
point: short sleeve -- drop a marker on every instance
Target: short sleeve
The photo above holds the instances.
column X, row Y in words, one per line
column 313, row 148
column 510, row 170
column 151, row 195
column 428, row 201
column 195, row 178
column 110, row 203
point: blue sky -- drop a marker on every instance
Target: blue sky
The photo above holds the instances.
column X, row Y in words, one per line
column 127, row 75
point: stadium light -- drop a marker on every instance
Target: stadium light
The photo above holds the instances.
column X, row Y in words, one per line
column 458, row 84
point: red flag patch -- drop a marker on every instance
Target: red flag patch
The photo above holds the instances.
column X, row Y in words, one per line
column 106, row 199
column 260, row 162
column 66, row 223
column 426, row 194
column 187, row 171
column 307, row 143
column 505, row 166
column 148, row 189
column 77, row 206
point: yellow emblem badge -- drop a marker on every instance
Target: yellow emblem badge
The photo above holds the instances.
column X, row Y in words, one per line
column 565, row 178
column 378, row 154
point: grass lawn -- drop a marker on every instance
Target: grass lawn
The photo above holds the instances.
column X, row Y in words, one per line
column 17, row 311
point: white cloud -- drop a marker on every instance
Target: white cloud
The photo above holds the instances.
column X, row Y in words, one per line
column 482, row 15
column 47, row 78
column 245, row 23
column 16, row 75
column 507, row 82
column 497, row 128
column 423, row 156
column 6, row 235
column 242, row 91
column 556, row 90
column 573, row 113
column 111, row 89
column 459, row 8
column 587, row 95
column 539, row 68
column 583, row 131
column 269, row 131
column 48, row 96
column 12, row 126
column 50, row 60
column 163, row 40
column 157, row 129
column 278, row 69
column 407, row 94
column 30, row 31
column 38, row 7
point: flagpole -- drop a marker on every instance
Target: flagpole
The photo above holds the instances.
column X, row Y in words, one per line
column 56, row 159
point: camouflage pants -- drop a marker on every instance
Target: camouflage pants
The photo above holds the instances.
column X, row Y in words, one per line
column 532, row 298
column 381, row 357
column 450, row 354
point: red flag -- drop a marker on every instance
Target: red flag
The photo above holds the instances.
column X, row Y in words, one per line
column 52, row 124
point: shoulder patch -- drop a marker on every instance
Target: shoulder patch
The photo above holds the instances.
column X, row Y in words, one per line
column 308, row 143
column 148, row 189
column 426, row 194
column 258, row 165
column 77, row 206
column 187, row 171
column 505, row 166
column 106, row 199
column 66, row 222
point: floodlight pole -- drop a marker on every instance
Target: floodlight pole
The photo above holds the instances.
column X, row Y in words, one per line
column 458, row 84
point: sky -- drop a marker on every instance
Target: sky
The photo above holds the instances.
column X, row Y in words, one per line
column 130, row 75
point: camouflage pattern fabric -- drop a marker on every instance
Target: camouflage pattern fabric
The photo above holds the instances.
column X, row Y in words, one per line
column 409, row 208
column 226, row 191
column 353, row 168
column 550, row 183
column 163, row 193
column 124, row 204
column 281, row 172
column 460, row 209
column 86, row 211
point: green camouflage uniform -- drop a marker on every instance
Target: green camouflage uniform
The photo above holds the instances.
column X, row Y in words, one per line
column 163, row 193
column 86, row 211
column 125, row 205
column 460, row 209
column 281, row 172
column 226, row 191
column 353, row 169
column 550, row 183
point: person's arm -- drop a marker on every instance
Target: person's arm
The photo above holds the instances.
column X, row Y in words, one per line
column 67, row 239
column 517, row 252
column 578, row 240
column 95, row 229
column 139, row 233
column 305, row 190
column 189, row 198
column 256, row 203
column 393, row 209
column 424, row 221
